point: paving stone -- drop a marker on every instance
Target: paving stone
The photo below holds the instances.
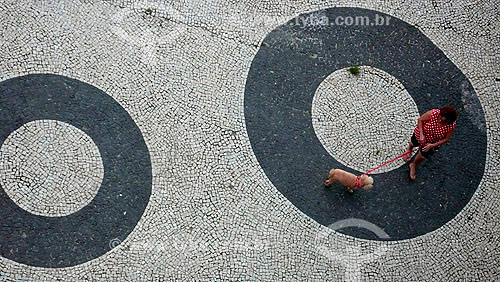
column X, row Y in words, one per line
column 211, row 209
column 50, row 168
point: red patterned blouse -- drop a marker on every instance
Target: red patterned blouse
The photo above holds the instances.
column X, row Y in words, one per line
column 432, row 131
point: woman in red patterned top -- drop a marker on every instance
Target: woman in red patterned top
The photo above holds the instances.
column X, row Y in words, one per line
column 435, row 128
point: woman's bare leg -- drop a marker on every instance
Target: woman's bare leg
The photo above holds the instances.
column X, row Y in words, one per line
column 410, row 147
column 413, row 165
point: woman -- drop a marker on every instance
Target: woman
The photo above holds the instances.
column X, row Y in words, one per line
column 435, row 128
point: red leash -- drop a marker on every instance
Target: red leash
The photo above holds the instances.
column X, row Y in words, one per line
column 388, row 162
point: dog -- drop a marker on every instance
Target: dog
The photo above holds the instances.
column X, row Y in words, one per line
column 351, row 181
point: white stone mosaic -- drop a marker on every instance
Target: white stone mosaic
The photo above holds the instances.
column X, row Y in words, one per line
column 208, row 188
column 362, row 120
column 50, row 168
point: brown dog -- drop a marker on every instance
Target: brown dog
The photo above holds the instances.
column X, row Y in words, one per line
column 351, row 181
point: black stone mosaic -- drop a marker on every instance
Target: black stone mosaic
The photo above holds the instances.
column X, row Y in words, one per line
column 125, row 190
column 288, row 68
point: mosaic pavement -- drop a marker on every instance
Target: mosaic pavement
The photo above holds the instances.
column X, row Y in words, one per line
column 189, row 140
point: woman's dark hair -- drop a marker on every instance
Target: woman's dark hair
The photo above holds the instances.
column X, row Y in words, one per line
column 449, row 113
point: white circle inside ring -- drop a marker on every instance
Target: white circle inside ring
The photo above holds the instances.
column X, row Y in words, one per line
column 50, row 168
column 364, row 120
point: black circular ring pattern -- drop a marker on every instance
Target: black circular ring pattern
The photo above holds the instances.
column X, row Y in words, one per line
column 285, row 73
column 125, row 190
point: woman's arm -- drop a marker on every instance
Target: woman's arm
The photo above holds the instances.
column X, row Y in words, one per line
column 423, row 118
column 439, row 143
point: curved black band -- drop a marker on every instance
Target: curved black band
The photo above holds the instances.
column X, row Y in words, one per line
column 284, row 75
column 124, row 193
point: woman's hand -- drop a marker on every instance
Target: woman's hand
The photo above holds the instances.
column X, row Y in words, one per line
column 421, row 139
column 428, row 147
